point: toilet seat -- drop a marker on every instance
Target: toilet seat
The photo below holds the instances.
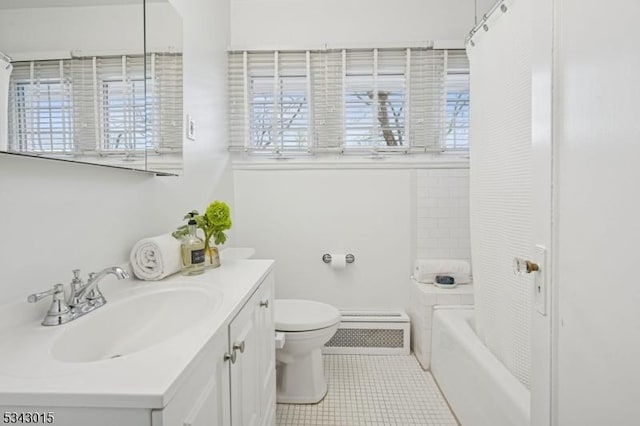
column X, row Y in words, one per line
column 304, row 315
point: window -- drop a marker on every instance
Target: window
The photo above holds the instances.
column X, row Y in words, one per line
column 457, row 125
column 44, row 117
column 163, row 111
column 279, row 120
column 270, row 102
column 375, row 99
column 96, row 106
column 403, row 100
column 41, row 110
column 457, row 122
column 293, row 112
column 123, row 115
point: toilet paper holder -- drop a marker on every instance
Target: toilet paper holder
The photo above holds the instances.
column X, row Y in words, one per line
column 326, row 258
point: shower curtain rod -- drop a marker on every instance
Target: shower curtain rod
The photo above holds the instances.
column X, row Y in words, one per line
column 482, row 24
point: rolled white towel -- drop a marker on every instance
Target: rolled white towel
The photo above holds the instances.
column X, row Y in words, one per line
column 425, row 270
column 156, row 257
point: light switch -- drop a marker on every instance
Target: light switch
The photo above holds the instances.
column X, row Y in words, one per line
column 190, row 128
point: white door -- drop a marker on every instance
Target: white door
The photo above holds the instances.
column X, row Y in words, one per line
column 596, row 149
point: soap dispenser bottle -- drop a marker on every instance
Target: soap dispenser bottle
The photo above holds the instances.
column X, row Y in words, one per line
column 192, row 250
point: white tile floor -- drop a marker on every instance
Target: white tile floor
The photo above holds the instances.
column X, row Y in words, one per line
column 368, row 390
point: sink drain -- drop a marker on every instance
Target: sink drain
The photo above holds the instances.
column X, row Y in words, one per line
column 116, row 356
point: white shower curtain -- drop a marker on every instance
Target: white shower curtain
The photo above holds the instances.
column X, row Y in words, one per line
column 5, row 74
column 500, row 169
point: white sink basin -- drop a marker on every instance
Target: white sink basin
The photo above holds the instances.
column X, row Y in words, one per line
column 133, row 324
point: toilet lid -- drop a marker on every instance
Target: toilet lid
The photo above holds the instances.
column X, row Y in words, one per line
column 304, row 315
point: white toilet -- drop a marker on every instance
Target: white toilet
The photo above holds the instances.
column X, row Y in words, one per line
column 307, row 326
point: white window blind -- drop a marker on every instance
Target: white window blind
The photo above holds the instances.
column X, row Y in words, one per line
column 457, row 120
column 40, row 108
column 327, row 100
column 121, row 108
column 427, row 76
column 374, row 98
column 96, row 106
column 350, row 100
column 269, row 95
column 164, row 103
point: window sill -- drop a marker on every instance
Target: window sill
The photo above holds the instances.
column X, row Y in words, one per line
column 415, row 161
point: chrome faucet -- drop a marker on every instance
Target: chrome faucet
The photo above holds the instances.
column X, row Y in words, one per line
column 83, row 299
column 90, row 293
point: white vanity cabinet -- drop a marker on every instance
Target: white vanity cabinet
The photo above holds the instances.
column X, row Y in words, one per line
column 233, row 382
column 220, row 371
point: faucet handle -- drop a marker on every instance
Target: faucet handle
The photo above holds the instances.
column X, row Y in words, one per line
column 76, row 276
column 76, row 282
column 59, row 311
column 55, row 291
column 76, row 286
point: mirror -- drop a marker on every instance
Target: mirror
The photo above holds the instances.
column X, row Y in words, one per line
column 75, row 86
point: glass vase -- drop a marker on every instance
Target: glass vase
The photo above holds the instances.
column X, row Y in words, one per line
column 212, row 257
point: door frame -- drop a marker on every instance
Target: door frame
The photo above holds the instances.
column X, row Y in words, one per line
column 544, row 172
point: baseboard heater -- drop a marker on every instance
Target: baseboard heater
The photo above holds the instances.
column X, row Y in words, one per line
column 371, row 333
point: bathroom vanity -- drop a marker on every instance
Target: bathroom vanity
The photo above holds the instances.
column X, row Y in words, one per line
column 182, row 351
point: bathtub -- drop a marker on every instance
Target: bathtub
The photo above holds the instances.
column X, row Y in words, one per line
column 479, row 388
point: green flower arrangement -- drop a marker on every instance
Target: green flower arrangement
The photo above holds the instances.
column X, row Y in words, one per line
column 215, row 220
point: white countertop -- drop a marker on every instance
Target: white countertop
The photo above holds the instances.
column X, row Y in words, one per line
column 30, row 376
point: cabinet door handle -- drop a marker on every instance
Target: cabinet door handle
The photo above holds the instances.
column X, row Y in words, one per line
column 264, row 304
column 238, row 346
column 230, row 357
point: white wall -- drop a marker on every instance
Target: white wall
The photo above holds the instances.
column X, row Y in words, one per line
column 26, row 33
column 58, row 216
column 382, row 216
column 35, row 32
column 596, row 145
column 311, row 23
column 295, row 216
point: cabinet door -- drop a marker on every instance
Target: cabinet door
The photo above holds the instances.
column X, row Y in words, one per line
column 203, row 400
column 244, row 340
column 267, row 357
column 203, row 412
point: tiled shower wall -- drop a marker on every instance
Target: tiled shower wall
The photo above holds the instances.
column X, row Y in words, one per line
column 442, row 214
column 442, row 232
